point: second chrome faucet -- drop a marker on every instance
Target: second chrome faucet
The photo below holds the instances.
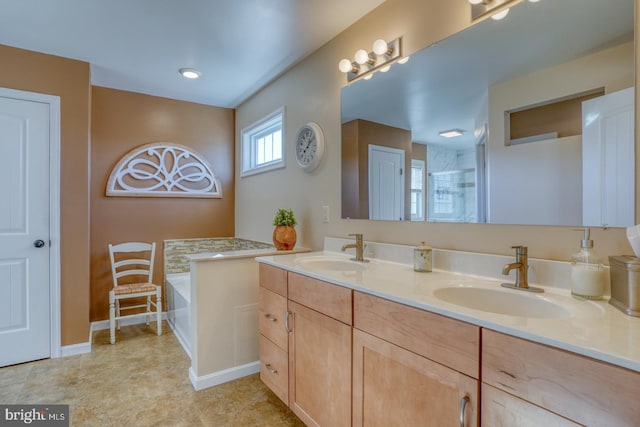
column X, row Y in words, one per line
column 521, row 266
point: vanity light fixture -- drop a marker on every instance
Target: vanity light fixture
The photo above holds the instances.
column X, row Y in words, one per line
column 451, row 133
column 480, row 8
column 364, row 63
column 190, row 73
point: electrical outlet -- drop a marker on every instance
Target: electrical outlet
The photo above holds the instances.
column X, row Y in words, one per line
column 325, row 213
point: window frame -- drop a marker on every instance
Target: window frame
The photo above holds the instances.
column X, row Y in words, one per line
column 251, row 133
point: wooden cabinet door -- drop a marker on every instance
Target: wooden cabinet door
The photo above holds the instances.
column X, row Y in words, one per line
column 500, row 409
column 395, row 387
column 319, row 368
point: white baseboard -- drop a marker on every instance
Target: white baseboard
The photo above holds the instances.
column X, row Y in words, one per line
column 73, row 349
column 226, row 375
column 104, row 324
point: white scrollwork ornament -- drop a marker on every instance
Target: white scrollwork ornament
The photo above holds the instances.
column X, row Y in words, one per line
column 163, row 169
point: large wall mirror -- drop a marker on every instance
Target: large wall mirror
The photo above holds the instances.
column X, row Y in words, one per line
column 543, row 102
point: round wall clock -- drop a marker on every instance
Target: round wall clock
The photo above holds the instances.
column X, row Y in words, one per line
column 309, row 146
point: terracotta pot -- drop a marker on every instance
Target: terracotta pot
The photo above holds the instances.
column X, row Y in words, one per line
column 284, row 237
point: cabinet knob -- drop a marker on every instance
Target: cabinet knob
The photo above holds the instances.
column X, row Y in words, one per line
column 271, row 368
column 270, row 318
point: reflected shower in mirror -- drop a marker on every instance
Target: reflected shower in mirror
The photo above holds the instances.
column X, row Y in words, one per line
column 528, row 120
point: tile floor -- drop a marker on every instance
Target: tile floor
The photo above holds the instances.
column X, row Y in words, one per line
column 142, row 380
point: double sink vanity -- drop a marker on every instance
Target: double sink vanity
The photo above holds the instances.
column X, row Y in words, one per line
column 375, row 343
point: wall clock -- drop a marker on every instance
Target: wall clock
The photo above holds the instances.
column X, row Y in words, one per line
column 309, row 146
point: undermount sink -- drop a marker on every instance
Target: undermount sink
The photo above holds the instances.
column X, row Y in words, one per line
column 330, row 263
column 503, row 302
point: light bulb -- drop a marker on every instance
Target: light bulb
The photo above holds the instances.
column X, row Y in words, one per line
column 361, row 56
column 534, row 1
column 475, row 1
column 190, row 73
column 380, row 47
column 368, row 76
column 385, row 68
column 500, row 15
column 345, row 65
column 403, row 60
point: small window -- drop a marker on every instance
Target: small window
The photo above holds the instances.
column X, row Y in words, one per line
column 263, row 144
column 417, row 190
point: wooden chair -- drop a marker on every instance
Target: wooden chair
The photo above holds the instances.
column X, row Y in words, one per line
column 133, row 260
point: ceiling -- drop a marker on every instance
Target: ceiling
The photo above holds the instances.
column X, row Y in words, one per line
column 139, row 45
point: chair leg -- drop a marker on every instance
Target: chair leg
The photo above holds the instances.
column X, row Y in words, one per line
column 112, row 315
column 118, row 313
column 148, row 316
column 159, row 311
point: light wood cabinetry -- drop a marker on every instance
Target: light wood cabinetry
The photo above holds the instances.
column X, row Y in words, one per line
column 274, row 342
column 568, row 385
column 411, row 367
column 305, row 327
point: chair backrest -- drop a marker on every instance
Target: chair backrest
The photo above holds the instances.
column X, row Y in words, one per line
column 132, row 259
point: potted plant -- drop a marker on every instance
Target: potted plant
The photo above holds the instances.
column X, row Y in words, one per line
column 284, row 235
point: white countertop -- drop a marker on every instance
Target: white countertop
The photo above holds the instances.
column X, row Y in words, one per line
column 595, row 328
column 241, row 253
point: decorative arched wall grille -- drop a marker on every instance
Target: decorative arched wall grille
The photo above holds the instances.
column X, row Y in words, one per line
column 163, row 169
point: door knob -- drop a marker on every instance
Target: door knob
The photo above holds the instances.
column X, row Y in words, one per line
column 38, row 243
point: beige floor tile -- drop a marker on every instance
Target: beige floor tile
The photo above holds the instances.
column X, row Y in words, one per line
column 142, row 380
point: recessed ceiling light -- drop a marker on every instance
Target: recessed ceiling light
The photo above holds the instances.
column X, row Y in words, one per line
column 451, row 133
column 190, row 73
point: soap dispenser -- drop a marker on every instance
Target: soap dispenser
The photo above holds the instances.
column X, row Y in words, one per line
column 422, row 258
column 587, row 272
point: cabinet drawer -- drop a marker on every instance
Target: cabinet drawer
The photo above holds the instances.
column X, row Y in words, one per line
column 274, row 279
column 274, row 368
column 585, row 390
column 273, row 310
column 444, row 340
column 332, row 300
column 500, row 409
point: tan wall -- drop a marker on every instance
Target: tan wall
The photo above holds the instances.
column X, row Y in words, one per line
column 68, row 79
column 121, row 121
column 311, row 92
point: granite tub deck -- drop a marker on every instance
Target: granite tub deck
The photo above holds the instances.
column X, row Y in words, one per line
column 212, row 293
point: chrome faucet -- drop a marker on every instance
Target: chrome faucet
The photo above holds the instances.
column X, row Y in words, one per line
column 521, row 266
column 359, row 247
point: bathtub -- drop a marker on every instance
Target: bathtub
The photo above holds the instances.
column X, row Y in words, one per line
column 178, row 294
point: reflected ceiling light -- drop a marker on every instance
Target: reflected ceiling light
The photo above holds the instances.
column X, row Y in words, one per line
column 190, row 73
column 385, row 68
column 364, row 63
column 403, row 60
column 451, row 133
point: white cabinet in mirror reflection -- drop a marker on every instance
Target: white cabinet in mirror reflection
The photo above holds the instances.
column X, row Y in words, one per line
column 607, row 160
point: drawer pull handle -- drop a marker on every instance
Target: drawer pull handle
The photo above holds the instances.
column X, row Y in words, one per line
column 270, row 318
column 271, row 368
column 286, row 321
column 463, row 406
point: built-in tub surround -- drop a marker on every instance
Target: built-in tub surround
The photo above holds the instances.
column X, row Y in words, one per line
column 590, row 328
column 213, row 305
column 176, row 249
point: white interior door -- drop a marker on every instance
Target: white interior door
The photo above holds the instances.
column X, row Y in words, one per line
column 608, row 166
column 386, row 183
column 25, row 330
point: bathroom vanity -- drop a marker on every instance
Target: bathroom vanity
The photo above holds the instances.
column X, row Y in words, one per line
column 345, row 343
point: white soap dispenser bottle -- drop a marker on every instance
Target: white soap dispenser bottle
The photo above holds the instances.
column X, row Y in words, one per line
column 587, row 272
